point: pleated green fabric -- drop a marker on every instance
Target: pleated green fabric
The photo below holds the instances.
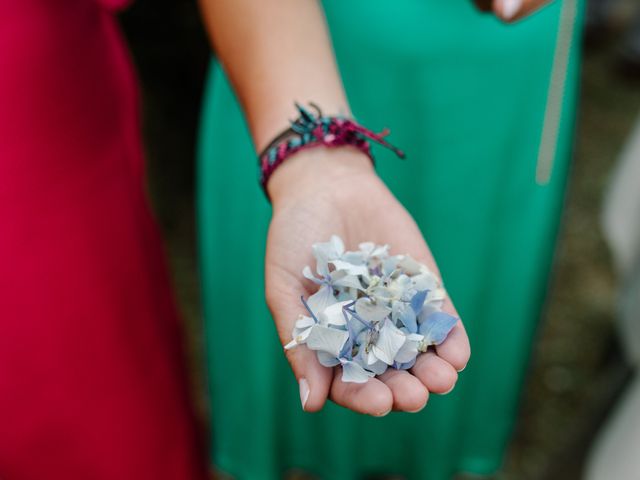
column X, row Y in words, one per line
column 479, row 107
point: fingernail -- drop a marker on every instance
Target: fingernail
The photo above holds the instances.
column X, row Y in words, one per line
column 462, row 369
column 418, row 410
column 304, row 392
column 510, row 8
column 449, row 391
column 383, row 414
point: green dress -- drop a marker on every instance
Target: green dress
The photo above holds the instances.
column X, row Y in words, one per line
column 486, row 115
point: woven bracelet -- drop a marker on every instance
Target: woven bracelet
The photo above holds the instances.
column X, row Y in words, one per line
column 314, row 130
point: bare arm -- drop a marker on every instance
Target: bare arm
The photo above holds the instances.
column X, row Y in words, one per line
column 276, row 52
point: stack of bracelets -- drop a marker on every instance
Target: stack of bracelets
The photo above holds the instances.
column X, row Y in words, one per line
column 310, row 130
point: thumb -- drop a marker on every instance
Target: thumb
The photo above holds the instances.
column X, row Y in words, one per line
column 283, row 298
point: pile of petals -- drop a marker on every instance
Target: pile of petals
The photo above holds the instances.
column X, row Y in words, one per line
column 372, row 310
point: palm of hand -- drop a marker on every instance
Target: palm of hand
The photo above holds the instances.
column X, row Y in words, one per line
column 366, row 213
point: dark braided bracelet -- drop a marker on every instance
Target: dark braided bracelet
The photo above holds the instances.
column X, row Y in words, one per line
column 310, row 130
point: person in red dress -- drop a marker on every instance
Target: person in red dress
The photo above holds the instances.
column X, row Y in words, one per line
column 92, row 379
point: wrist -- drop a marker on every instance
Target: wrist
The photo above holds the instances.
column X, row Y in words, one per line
column 317, row 170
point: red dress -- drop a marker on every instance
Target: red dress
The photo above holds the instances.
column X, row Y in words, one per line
column 92, row 380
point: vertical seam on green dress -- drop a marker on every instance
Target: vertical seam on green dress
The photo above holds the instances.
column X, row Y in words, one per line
column 555, row 98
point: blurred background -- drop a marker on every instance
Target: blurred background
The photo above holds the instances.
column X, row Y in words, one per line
column 577, row 370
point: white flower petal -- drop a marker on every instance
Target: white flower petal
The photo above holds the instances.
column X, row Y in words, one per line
column 341, row 278
column 325, row 339
column 338, row 245
column 389, row 342
column 371, row 358
column 354, row 373
column 424, row 281
column 370, row 249
column 401, row 287
column 333, row 314
column 389, row 266
column 382, row 294
column 307, row 273
column 378, row 367
column 381, row 251
column 327, row 360
column 320, row 300
column 409, row 265
column 367, row 247
column 355, row 258
column 304, row 322
column 301, row 331
column 349, row 281
column 372, row 312
column 327, row 251
column 436, row 294
column 409, row 350
column 350, row 268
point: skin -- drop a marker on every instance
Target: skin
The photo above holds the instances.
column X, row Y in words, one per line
column 318, row 193
column 276, row 52
column 497, row 7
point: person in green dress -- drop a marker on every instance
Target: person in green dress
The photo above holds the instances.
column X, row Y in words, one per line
column 485, row 112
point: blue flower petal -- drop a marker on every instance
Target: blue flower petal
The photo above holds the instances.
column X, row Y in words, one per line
column 436, row 327
column 418, row 301
column 405, row 366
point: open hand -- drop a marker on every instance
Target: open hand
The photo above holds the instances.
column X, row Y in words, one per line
column 319, row 193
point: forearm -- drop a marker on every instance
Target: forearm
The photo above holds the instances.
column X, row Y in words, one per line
column 275, row 52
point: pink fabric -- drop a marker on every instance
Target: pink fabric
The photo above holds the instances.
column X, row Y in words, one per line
column 92, row 380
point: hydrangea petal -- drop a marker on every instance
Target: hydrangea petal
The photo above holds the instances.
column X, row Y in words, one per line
column 428, row 309
column 367, row 247
column 308, row 274
column 409, row 350
column 409, row 265
column 405, row 314
column 344, row 279
column 300, row 331
column 304, row 322
column 357, row 328
column 325, row 252
column 405, row 366
column 355, row 258
column 349, row 268
column 320, row 300
column 425, row 281
column 436, row 327
column 333, row 314
column 370, row 358
column 389, row 342
column 382, row 293
column 327, row 360
column 372, row 312
column 389, row 266
column 418, row 301
column 327, row 339
column 352, row 372
column 436, row 294
column 378, row 367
